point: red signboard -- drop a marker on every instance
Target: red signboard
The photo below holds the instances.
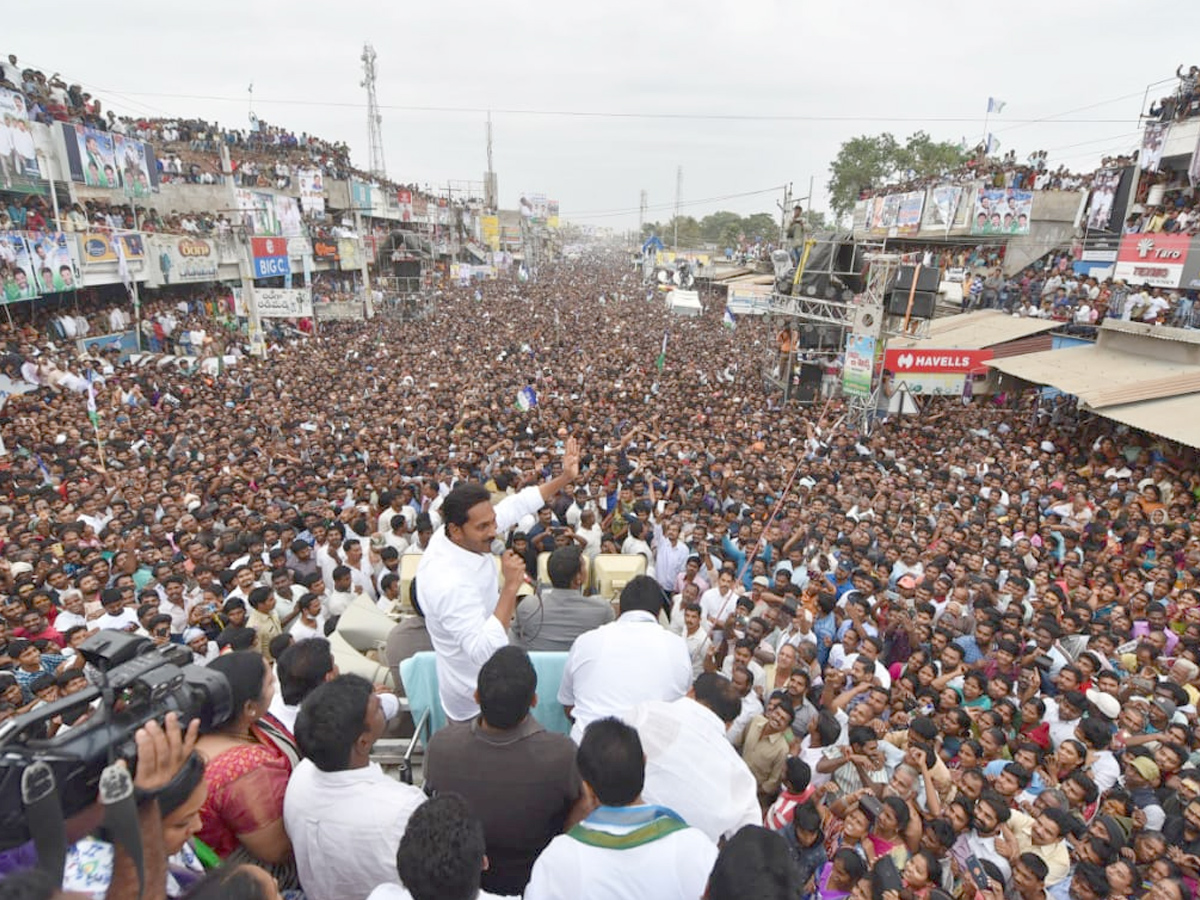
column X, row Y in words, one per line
column 933, row 360
column 1154, row 259
column 261, row 247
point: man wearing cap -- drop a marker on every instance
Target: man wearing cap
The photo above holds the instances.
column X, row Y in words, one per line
column 203, row 650
column 1142, row 779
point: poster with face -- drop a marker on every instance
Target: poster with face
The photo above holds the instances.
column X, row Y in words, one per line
column 97, row 158
column 133, row 169
column 16, row 269
column 54, row 261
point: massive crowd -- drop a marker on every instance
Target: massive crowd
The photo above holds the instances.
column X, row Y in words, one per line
column 959, row 655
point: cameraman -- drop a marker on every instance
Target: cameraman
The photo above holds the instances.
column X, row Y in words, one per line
column 91, row 866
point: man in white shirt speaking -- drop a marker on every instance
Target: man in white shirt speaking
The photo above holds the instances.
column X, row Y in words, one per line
column 625, row 662
column 466, row 612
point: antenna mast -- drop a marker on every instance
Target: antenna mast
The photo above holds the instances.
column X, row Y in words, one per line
column 374, row 119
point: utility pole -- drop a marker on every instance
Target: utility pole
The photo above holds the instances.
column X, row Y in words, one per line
column 257, row 344
column 678, row 192
column 490, row 201
column 783, row 211
column 641, row 214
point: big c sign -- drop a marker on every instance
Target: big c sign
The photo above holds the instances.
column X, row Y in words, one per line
column 270, row 257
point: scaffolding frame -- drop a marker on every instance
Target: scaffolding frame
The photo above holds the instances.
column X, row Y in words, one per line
column 882, row 270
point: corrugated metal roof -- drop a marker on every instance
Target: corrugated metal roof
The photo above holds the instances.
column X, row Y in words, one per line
column 976, row 331
column 1103, row 378
column 1174, row 418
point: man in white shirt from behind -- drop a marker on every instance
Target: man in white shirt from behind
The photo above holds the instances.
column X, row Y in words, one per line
column 466, row 611
column 345, row 817
column 625, row 662
column 442, row 854
column 690, row 767
column 625, row 847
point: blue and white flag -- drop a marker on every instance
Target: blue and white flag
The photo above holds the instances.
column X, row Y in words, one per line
column 996, row 106
column 993, row 144
column 729, row 321
column 526, row 399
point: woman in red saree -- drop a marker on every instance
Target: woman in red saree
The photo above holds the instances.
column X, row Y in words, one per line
column 247, row 772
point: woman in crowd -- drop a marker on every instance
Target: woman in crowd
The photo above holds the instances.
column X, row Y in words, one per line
column 247, row 772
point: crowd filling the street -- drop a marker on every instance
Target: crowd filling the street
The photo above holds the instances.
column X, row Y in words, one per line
column 958, row 654
column 512, row 582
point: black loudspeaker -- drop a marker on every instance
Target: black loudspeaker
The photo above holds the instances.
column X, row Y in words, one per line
column 809, row 336
column 851, row 267
column 806, row 386
column 922, row 307
column 928, row 280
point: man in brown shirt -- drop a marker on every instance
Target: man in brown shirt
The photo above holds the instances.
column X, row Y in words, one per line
column 519, row 779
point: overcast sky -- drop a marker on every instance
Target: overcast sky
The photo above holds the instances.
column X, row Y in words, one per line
column 930, row 63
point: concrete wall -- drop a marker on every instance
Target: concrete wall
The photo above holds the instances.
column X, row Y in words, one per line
column 1181, row 138
column 1043, row 237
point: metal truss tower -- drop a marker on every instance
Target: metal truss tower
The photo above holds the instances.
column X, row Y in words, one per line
column 378, row 167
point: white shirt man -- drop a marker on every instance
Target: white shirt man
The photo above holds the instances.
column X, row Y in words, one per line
column 623, row 663
column 692, row 769
column 344, row 816
column 460, row 590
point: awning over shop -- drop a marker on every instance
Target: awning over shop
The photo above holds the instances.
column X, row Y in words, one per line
column 1146, row 379
column 976, row 331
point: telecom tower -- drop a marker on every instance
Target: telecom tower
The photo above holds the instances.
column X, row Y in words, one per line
column 374, row 119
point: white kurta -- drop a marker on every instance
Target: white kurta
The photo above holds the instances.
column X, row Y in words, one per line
column 459, row 591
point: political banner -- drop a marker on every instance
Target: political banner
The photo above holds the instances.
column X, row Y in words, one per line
column 1002, row 211
column 278, row 303
column 312, row 192
column 1194, row 168
column 257, row 211
column 55, row 259
column 360, row 196
column 1154, row 138
column 942, row 207
column 287, row 214
column 551, row 213
column 348, row 255
column 91, row 156
column 182, row 260
column 133, row 167
column 270, row 257
column 490, row 231
column 908, row 215
column 862, row 215
column 858, row 365
column 404, row 199
column 884, row 212
column 98, row 248
column 18, row 158
column 16, row 268
column 1100, row 203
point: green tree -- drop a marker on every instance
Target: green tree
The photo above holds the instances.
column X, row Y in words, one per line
column 761, row 226
column 867, row 162
column 714, row 225
column 861, row 163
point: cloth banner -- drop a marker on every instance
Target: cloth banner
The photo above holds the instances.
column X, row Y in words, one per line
column 312, row 192
column 18, row 158
column 55, row 259
column 1154, row 138
column 1002, row 211
column 17, row 268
